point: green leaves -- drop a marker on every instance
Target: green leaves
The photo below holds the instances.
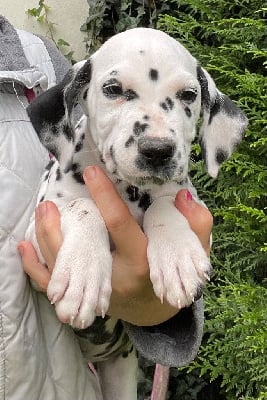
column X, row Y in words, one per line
column 237, row 323
column 229, row 38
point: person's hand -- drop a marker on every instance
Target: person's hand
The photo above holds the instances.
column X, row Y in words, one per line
column 132, row 298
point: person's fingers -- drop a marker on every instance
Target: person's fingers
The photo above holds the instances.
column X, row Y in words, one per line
column 48, row 231
column 32, row 266
column 119, row 221
column 199, row 217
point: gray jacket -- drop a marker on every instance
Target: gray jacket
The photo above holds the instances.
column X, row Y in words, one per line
column 40, row 359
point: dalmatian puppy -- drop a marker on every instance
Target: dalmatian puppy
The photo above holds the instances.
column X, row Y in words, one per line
column 142, row 95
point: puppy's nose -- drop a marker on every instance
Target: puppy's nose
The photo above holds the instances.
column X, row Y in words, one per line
column 156, row 151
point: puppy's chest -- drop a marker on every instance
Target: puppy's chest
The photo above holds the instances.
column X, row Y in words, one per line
column 64, row 186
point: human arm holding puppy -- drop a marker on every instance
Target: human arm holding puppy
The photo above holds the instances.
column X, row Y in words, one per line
column 132, row 298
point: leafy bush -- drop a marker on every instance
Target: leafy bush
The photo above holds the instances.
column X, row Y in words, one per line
column 108, row 17
column 229, row 38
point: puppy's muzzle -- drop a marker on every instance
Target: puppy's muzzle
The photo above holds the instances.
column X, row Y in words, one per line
column 155, row 151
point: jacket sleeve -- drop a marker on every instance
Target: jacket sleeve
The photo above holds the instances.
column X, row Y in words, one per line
column 40, row 358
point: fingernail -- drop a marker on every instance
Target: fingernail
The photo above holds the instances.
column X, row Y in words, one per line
column 188, row 196
column 90, row 173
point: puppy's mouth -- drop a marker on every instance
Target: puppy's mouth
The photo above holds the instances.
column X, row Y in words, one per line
column 149, row 180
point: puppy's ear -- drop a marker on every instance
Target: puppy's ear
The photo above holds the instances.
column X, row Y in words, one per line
column 76, row 91
column 223, row 124
column 51, row 112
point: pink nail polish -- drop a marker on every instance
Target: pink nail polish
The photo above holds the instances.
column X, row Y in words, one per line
column 189, row 196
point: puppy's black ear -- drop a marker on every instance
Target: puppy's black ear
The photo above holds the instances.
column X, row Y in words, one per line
column 51, row 112
column 223, row 124
column 75, row 92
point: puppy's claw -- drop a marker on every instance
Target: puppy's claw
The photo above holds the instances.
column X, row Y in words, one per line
column 179, row 304
column 71, row 320
column 161, row 298
column 192, row 297
column 83, row 324
column 54, row 299
column 103, row 313
column 206, row 276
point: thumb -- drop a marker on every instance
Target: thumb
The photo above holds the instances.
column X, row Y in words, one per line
column 198, row 217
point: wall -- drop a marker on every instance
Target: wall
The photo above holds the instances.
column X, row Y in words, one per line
column 68, row 15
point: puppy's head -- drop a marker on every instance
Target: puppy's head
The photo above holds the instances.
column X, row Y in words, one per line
column 143, row 94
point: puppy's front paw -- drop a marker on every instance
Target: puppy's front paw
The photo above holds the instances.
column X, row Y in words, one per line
column 179, row 268
column 80, row 285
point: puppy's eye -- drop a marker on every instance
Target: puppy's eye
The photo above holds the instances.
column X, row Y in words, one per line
column 112, row 89
column 187, row 95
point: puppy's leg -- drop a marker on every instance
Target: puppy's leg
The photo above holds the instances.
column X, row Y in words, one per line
column 178, row 264
column 80, row 284
column 118, row 377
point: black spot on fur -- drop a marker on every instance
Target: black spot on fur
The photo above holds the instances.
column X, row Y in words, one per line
column 111, row 152
column 78, row 176
column 79, row 145
column 167, row 105
column 169, row 102
column 223, row 104
column 153, row 74
column 85, row 94
column 215, row 108
column 55, row 130
column 83, row 213
column 146, row 117
column 42, row 199
column 144, row 201
column 46, row 176
column 129, row 141
column 130, row 95
column 188, row 112
column 59, row 195
column 77, row 173
column 67, row 131
column 112, row 155
column 164, row 106
column 58, row 174
column 139, row 128
column 133, row 193
column 221, row 155
column 50, row 165
column 205, row 95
